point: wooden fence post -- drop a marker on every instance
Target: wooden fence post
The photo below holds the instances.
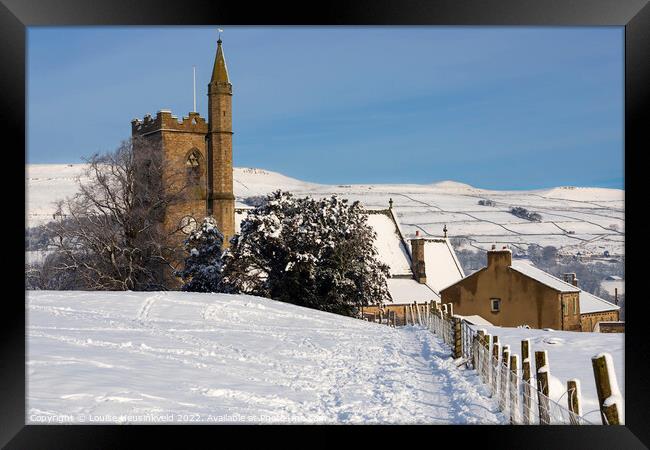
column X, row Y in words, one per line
column 480, row 336
column 494, row 364
column 514, row 388
column 574, row 400
column 405, row 322
column 458, row 337
column 381, row 317
column 542, row 373
column 486, row 358
column 504, row 370
column 416, row 312
column 525, row 368
column 450, row 309
column 607, row 388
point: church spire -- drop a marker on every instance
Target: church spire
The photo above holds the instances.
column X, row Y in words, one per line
column 220, row 71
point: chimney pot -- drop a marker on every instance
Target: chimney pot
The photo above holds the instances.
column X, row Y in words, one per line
column 494, row 246
column 417, row 232
column 501, row 258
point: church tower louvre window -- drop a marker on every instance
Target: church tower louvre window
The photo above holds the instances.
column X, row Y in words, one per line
column 193, row 158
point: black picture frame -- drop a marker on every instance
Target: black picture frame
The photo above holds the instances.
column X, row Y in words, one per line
column 634, row 15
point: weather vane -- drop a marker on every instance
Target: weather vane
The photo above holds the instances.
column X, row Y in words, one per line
column 220, row 31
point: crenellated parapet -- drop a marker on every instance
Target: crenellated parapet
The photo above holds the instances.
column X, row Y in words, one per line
column 165, row 121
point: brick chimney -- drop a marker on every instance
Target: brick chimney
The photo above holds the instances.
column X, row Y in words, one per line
column 500, row 258
column 570, row 278
column 417, row 258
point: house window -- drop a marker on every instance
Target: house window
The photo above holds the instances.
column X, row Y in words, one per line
column 575, row 306
column 495, row 304
column 564, row 308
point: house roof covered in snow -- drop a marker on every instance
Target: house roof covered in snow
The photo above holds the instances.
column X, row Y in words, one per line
column 543, row 277
column 390, row 245
column 475, row 320
column 407, row 290
column 441, row 264
column 613, row 278
column 589, row 303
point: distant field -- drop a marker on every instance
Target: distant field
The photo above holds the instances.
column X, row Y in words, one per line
column 574, row 219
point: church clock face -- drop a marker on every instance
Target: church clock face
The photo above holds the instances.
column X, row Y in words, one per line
column 188, row 224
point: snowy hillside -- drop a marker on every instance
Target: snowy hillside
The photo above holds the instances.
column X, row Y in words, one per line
column 214, row 358
column 586, row 220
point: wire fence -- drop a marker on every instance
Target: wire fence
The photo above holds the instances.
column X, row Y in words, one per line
column 522, row 401
column 521, row 393
column 441, row 327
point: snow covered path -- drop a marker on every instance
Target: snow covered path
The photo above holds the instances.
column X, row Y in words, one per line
column 215, row 358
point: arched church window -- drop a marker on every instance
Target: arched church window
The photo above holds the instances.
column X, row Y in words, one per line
column 193, row 162
column 193, row 159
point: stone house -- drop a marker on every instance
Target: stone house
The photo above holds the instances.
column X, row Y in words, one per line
column 513, row 293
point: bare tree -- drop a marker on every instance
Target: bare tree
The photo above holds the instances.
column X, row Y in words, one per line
column 111, row 235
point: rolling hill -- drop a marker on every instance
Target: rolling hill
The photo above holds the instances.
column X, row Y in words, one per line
column 589, row 221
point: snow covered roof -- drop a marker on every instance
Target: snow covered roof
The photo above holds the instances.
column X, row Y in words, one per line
column 389, row 244
column 441, row 265
column 475, row 320
column 543, row 277
column 407, row 290
column 613, row 278
column 589, row 303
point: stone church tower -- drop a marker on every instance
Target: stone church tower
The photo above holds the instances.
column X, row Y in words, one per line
column 197, row 154
column 221, row 200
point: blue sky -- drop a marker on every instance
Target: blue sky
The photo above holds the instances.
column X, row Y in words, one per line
column 495, row 107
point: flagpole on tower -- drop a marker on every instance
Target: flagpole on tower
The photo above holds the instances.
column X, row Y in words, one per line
column 194, row 85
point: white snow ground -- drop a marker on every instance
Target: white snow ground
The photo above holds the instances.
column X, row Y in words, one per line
column 586, row 220
column 136, row 357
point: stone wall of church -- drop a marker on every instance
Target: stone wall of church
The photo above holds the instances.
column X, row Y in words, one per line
column 184, row 178
column 183, row 148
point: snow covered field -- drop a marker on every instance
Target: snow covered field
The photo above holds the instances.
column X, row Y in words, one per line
column 137, row 357
column 575, row 219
